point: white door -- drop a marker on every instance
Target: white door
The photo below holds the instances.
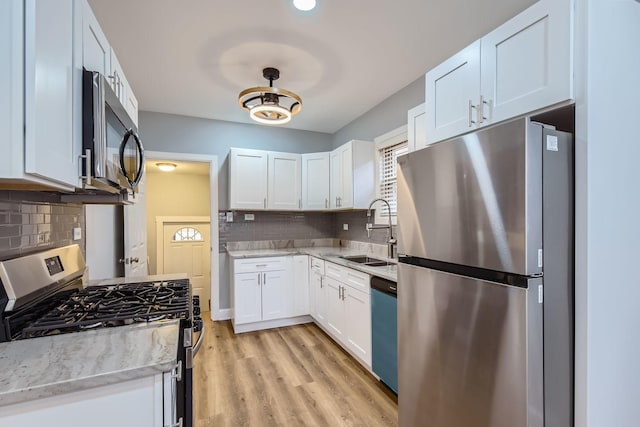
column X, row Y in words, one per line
column 526, row 62
column 187, row 249
column 274, row 294
column 346, row 172
column 357, row 305
column 248, row 179
column 452, row 93
column 335, row 166
column 135, row 234
column 247, row 295
column 284, row 181
column 335, row 308
column 315, row 181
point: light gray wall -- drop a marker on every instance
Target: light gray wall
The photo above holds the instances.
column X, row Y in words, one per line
column 607, row 219
column 384, row 117
column 169, row 132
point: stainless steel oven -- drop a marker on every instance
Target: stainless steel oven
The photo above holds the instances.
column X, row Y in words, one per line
column 112, row 151
column 43, row 294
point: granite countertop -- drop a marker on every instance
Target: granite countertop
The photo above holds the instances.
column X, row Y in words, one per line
column 136, row 279
column 47, row 366
column 328, row 253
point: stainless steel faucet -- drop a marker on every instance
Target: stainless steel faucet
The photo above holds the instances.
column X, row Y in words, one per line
column 391, row 242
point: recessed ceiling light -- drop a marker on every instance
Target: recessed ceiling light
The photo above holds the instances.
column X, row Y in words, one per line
column 304, row 5
column 166, row 167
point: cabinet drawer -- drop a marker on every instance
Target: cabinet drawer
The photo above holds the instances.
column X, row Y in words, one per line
column 333, row 270
column 248, row 265
column 354, row 278
column 317, row 265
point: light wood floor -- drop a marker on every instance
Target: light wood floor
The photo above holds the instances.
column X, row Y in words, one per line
column 294, row 376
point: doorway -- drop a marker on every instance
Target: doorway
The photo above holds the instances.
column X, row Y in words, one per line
column 186, row 196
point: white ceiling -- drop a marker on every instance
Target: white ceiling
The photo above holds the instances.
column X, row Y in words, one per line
column 182, row 168
column 194, row 57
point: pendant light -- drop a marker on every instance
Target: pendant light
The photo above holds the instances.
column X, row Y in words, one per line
column 270, row 105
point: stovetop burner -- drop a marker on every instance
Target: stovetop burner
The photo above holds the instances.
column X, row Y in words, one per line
column 114, row 305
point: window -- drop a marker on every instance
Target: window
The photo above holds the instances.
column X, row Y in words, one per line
column 187, row 233
column 387, row 181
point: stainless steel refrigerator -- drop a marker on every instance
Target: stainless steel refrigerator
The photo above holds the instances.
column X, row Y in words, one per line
column 485, row 280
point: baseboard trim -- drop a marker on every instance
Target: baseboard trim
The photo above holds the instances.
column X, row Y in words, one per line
column 222, row 314
column 268, row 324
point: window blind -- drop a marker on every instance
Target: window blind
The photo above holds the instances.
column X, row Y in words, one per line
column 387, row 169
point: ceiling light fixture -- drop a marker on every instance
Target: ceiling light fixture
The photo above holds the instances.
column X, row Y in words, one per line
column 270, row 105
column 304, row 5
column 166, row 167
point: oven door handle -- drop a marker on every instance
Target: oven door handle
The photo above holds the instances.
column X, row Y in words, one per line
column 198, row 343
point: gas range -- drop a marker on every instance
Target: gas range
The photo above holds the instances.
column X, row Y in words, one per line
column 43, row 294
column 113, row 305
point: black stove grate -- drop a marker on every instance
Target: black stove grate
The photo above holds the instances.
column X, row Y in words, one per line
column 114, row 305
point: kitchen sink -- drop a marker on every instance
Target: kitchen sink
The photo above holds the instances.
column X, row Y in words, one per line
column 379, row 264
column 361, row 259
column 368, row 261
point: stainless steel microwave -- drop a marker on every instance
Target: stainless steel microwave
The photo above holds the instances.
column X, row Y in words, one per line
column 113, row 155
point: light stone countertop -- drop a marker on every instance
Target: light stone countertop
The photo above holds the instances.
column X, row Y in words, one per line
column 41, row 367
column 329, row 253
column 137, row 279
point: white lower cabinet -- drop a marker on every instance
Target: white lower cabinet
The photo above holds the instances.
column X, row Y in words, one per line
column 342, row 307
column 336, row 316
column 317, row 291
column 134, row 403
column 299, row 286
column 357, row 307
column 269, row 292
column 274, row 294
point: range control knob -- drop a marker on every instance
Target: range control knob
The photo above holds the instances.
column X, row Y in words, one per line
column 196, row 300
column 196, row 310
column 197, row 324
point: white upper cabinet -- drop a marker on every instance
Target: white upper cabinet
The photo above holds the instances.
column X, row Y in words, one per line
column 342, row 179
column 315, row 181
column 335, row 168
column 248, row 179
column 526, row 63
column 451, row 90
column 97, row 55
column 352, row 168
column 36, row 50
column 96, row 52
column 131, row 103
column 284, row 181
column 116, row 77
column 417, row 127
column 522, row 66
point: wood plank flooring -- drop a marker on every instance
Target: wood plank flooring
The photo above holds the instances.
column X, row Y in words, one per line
column 293, row 376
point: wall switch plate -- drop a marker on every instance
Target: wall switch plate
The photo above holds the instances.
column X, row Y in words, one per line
column 229, row 216
column 249, row 217
column 345, row 227
column 77, row 233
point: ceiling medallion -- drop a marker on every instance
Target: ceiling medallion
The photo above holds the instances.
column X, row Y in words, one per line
column 270, row 105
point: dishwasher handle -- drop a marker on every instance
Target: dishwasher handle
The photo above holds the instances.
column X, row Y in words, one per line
column 383, row 285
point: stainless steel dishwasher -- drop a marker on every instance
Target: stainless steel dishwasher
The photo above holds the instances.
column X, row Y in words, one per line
column 384, row 331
